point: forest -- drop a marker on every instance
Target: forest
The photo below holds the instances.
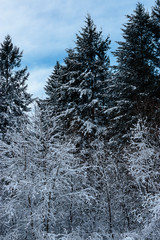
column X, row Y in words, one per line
column 85, row 165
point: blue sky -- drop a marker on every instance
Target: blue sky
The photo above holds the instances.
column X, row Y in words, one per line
column 44, row 29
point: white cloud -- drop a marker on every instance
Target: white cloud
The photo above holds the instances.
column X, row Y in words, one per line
column 50, row 25
column 38, row 26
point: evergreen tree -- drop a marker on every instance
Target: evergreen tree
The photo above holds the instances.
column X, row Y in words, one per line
column 91, row 50
column 156, row 29
column 136, row 76
column 82, row 82
column 136, row 55
column 52, row 86
column 14, row 99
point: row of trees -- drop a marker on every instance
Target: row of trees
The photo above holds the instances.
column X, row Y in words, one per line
column 86, row 166
column 85, row 87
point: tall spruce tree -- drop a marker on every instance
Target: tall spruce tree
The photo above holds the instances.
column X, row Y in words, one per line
column 82, row 81
column 14, row 99
column 136, row 76
column 53, row 87
column 156, row 29
column 136, row 54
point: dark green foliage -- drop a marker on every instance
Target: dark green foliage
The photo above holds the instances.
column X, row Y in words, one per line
column 91, row 49
column 53, row 87
column 136, row 54
column 14, row 99
column 156, row 29
column 79, row 87
column 136, row 76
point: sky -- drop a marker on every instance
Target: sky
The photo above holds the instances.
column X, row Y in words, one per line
column 44, row 29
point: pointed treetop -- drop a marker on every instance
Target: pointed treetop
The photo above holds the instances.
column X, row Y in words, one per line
column 156, row 12
column 90, row 45
column 10, row 55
